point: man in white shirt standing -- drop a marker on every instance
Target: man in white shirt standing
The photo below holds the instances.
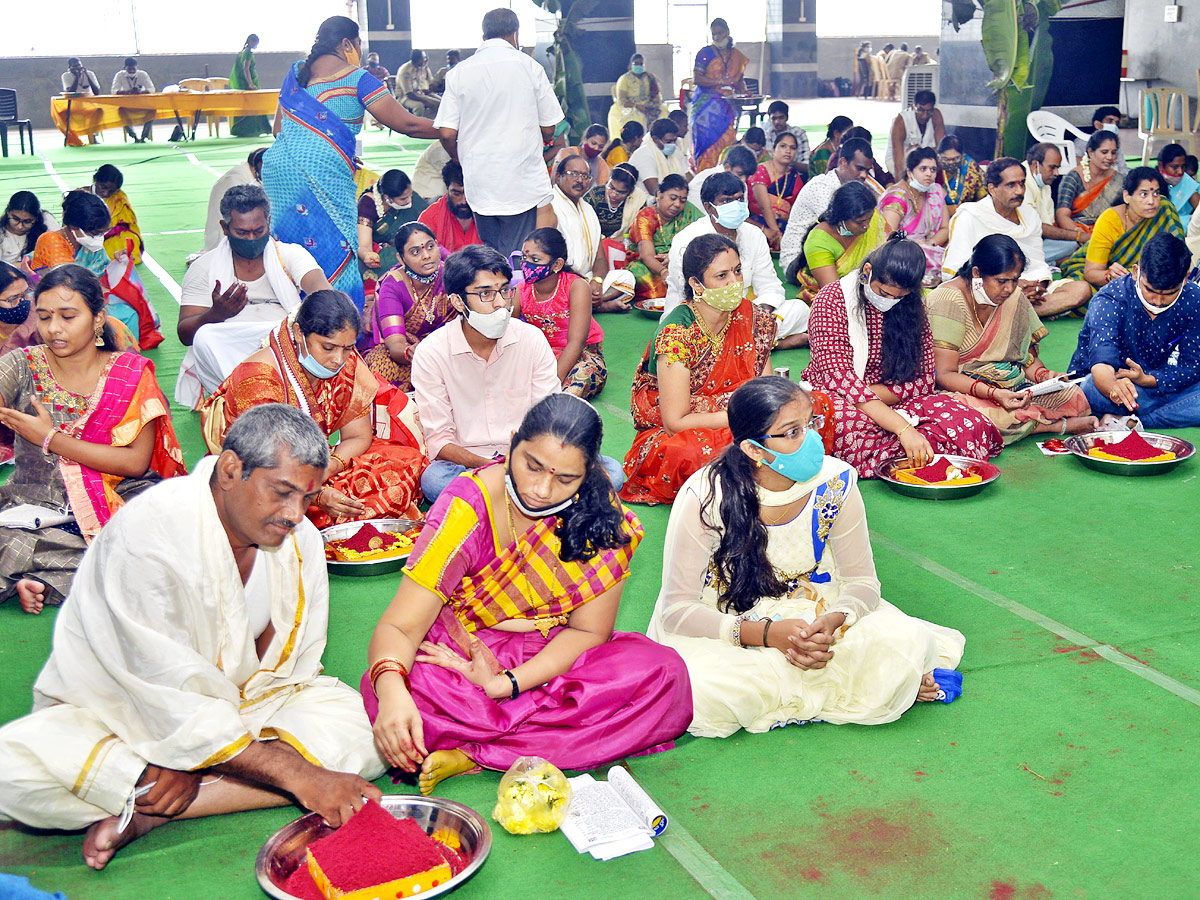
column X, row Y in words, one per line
column 237, row 293
column 496, row 115
column 853, row 163
column 132, row 80
column 1002, row 212
column 724, row 199
column 1041, row 168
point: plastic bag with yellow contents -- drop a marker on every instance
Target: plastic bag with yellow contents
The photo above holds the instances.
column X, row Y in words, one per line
column 533, row 798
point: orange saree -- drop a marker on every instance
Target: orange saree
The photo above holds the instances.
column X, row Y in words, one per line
column 659, row 462
column 384, row 478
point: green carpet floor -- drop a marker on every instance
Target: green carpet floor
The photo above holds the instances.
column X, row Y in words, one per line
column 1074, row 590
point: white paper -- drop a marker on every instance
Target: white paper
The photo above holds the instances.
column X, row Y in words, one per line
column 599, row 820
column 31, row 518
column 638, row 800
column 1053, row 386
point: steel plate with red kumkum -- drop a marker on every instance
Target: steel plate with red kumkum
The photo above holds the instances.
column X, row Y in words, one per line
column 370, row 547
column 1131, row 448
column 945, row 478
column 1130, row 452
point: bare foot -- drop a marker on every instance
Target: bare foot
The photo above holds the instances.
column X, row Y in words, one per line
column 928, row 691
column 792, row 341
column 32, row 595
column 440, row 765
column 1082, row 424
column 102, row 841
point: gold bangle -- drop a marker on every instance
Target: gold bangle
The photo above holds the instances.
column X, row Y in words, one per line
column 344, row 467
column 907, row 425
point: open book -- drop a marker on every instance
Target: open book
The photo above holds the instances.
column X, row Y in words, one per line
column 32, row 518
column 611, row 818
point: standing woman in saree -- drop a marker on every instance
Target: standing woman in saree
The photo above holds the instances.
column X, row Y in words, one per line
column 985, row 345
column 244, row 77
column 412, row 303
column 703, row 349
column 92, row 430
column 1092, row 187
column 500, row 642
column 719, row 72
column 308, row 173
column 916, row 205
column 848, row 231
column 1121, row 232
column 310, row 363
column 651, row 234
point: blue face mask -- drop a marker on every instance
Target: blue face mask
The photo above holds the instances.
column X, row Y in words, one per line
column 637, row 70
column 844, row 231
column 1037, row 179
column 668, row 149
column 801, row 464
column 315, row 368
column 733, row 214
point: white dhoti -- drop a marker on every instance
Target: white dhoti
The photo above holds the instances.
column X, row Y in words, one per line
column 793, row 317
column 217, row 349
column 66, row 769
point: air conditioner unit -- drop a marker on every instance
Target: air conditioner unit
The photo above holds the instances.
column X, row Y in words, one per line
column 918, row 78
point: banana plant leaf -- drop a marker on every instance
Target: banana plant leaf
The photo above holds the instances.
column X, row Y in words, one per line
column 961, row 12
column 1000, row 36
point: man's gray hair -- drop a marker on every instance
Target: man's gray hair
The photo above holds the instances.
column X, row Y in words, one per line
column 261, row 432
column 244, row 198
column 500, row 23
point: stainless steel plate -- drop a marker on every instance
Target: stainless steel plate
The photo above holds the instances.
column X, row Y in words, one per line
column 938, row 491
column 1080, row 444
column 372, row 566
column 285, row 850
column 648, row 309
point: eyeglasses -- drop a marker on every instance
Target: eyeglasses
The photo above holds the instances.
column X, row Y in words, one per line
column 585, row 177
column 13, row 301
column 816, row 423
column 18, row 220
column 490, row 295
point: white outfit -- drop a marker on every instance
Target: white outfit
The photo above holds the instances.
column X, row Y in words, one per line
column 498, row 99
column 651, row 162
column 219, row 347
column 1039, row 199
column 914, row 137
column 812, row 200
column 168, row 673
column 758, row 273
column 12, row 246
column 85, row 83
column 239, row 174
column 1193, row 239
column 427, row 174
column 879, row 656
column 139, row 82
column 578, row 224
column 972, row 222
column 697, row 183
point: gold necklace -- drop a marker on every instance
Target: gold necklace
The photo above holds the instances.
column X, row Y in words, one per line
column 714, row 340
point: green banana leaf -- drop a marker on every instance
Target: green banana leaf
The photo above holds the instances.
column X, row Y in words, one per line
column 1000, row 41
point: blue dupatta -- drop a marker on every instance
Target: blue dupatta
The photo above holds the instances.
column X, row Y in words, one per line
column 308, row 174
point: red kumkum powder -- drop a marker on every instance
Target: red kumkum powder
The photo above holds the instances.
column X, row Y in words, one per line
column 373, row 848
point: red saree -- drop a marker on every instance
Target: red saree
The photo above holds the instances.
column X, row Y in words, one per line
column 659, row 462
column 384, row 478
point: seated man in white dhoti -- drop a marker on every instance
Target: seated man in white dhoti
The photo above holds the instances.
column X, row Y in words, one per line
column 237, row 293
column 184, row 679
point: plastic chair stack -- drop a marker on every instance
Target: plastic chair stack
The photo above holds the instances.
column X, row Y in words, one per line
column 1158, row 109
column 1047, row 128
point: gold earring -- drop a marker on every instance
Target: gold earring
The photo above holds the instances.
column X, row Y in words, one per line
column 758, row 464
column 100, row 336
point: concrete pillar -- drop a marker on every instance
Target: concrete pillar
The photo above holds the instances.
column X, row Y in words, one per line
column 604, row 45
column 792, row 41
column 389, row 32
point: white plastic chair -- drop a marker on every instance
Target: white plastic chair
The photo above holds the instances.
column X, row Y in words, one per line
column 1047, row 128
column 1157, row 110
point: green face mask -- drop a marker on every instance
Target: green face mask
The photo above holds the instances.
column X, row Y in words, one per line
column 726, row 298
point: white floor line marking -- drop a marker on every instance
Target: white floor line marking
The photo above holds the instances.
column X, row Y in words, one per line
column 181, row 231
column 1112, row 654
column 205, row 166
column 622, row 414
column 159, row 272
column 701, row 865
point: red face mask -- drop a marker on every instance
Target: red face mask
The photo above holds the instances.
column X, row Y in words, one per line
column 590, row 152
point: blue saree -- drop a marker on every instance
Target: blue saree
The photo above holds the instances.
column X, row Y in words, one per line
column 713, row 119
column 308, row 173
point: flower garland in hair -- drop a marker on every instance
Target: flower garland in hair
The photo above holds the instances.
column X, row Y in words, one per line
column 377, row 196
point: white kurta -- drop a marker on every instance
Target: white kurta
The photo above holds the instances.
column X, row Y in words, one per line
column 154, row 661
column 972, row 222
column 879, row 657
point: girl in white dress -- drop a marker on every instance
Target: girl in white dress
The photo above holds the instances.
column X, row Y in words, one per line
column 769, row 590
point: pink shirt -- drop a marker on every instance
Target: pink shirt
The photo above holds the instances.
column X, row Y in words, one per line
column 476, row 403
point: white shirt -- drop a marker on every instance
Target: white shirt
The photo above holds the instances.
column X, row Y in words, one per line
column 261, row 303
column 972, row 222
column 758, row 270
column 86, row 80
column 427, row 174
column 12, row 246
column 578, row 224
column 498, row 99
column 651, row 162
column 695, row 185
column 812, row 200
column 139, row 82
column 1039, row 199
column 913, row 138
column 239, row 174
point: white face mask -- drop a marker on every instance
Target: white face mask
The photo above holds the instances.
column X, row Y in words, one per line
column 1110, row 126
column 980, row 294
column 394, row 205
column 1150, row 307
column 491, row 325
column 917, row 186
column 89, row 242
column 880, row 302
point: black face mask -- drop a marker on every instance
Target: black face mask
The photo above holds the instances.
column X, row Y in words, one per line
column 249, row 248
column 15, row 315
